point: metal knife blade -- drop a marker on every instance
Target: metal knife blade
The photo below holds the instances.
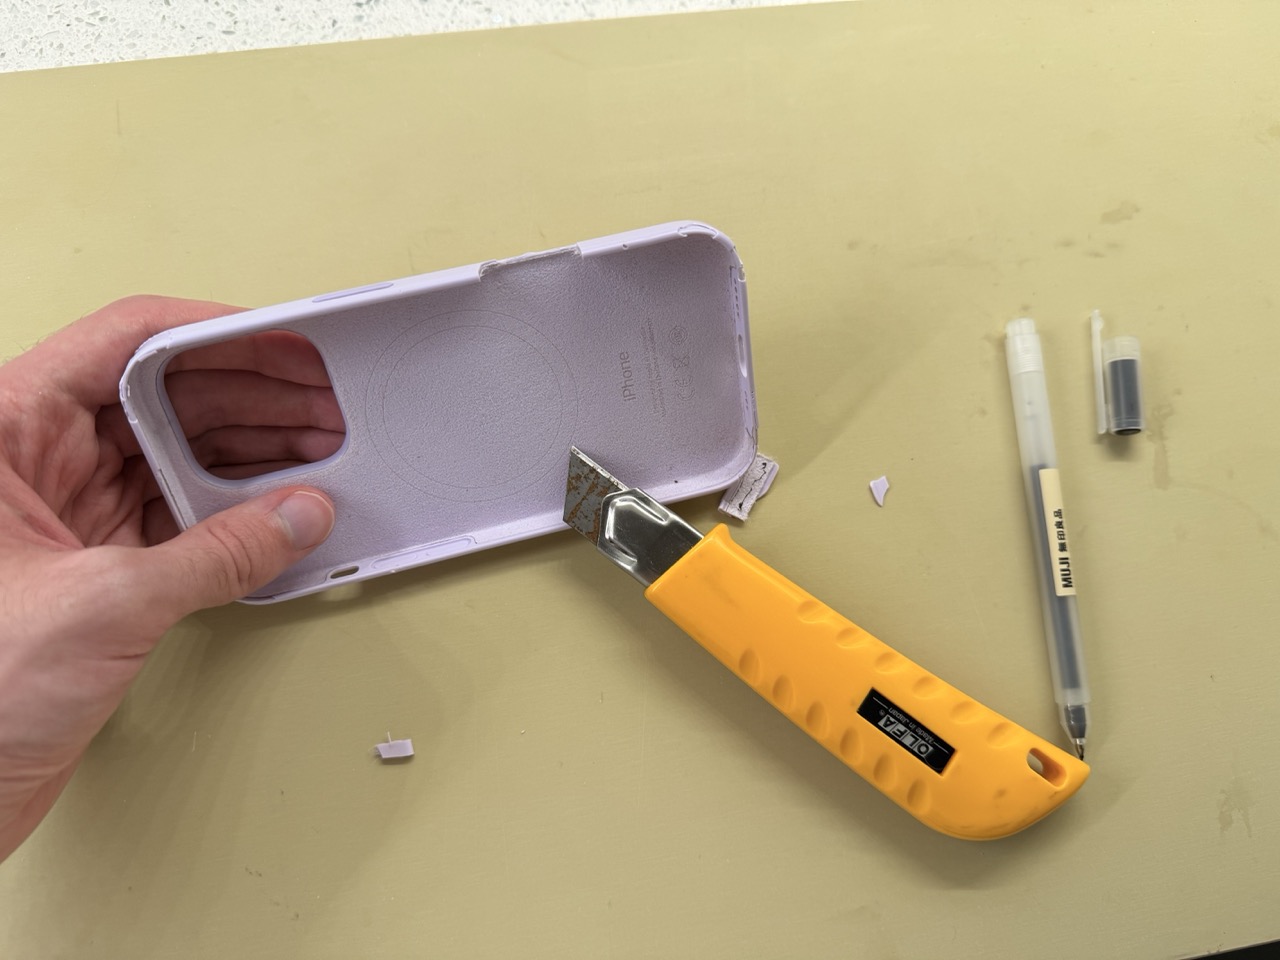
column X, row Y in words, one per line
column 587, row 486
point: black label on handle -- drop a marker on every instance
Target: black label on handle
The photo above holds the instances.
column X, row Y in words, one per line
column 906, row 731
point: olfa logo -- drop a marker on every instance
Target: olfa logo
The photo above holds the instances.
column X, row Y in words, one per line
column 902, row 733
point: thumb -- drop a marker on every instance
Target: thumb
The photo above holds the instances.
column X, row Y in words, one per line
column 233, row 553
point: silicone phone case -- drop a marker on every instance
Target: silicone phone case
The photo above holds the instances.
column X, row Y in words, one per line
column 463, row 390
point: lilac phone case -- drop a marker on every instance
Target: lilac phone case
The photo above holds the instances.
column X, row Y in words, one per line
column 463, row 389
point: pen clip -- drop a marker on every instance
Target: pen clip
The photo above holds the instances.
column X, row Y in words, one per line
column 1099, row 388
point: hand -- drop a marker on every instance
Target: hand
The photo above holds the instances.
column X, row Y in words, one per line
column 93, row 569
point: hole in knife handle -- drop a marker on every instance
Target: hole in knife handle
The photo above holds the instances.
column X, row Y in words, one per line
column 343, row 572
column 1046, row 767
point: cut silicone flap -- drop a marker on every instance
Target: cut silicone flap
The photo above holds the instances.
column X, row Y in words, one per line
column 463, row 390
column 740, row 498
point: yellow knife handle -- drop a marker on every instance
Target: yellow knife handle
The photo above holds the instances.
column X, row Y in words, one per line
column 950, row 762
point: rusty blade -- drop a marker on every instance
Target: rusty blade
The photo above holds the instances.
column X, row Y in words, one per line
column 584, row 493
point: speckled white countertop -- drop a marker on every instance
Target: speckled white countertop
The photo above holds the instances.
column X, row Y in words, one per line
column 35, row 34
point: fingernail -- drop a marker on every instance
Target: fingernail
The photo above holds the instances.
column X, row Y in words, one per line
column 307, row 518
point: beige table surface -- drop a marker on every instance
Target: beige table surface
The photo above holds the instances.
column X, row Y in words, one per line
column 901, row 179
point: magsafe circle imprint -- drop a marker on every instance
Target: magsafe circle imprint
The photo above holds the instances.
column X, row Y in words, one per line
column 472, row 406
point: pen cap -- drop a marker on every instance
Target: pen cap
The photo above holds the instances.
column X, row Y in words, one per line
column 1117, row 384
column 1122, row 367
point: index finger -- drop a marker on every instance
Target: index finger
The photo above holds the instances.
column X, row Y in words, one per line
column 274, row 353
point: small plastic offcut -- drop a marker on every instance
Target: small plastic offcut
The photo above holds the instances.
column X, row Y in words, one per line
column 879, row 487
column 394, row 749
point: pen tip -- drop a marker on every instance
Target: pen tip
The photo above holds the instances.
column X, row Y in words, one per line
column 1079, row 745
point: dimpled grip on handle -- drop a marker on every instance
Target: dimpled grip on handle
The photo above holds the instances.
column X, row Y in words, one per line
column 817, row 668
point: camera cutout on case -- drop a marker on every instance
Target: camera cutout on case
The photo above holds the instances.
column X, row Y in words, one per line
column 255, row 405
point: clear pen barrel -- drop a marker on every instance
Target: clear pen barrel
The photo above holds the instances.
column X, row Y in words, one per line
column 1046, row 513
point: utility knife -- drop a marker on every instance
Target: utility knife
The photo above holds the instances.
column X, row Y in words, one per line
column 952, row 763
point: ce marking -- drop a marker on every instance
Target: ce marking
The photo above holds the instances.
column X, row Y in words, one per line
column 683, row 379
